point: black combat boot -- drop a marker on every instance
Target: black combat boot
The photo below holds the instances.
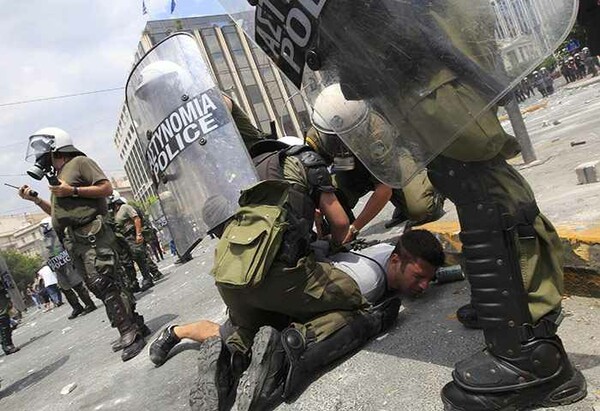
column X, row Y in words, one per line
column 6, row 336
column 219, row 370
column 541, row 376
column 74, row 303
column 77, row 311
column 144, row 331
column 164, row 343
column 134, row 348
column 261, row 385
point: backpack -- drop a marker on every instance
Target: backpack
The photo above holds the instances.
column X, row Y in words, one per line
column 252, row 239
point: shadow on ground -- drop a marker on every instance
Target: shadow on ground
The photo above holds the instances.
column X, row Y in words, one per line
column 33, row 378
column 33, row 339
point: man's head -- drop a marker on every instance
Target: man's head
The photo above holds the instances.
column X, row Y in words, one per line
column 115, row 201
column 414, row 261
column 49, row 147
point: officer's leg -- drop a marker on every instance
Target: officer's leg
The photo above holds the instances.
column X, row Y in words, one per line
column 73, row 302
column 126, row 260
column 5, row 330
column 513, row 262
column 322, row 298
column 154, row 271
column 222, row 359
column 139, row 254
column 103, row 280
column 418, row 202
column 84, row 295
column 284, row 363
column 423, row 203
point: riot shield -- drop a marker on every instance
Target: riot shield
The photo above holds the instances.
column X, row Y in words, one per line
column 57, row 258
column 431, row 70
column 193, row 149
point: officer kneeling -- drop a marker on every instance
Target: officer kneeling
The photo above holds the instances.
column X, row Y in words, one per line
column 267, row 275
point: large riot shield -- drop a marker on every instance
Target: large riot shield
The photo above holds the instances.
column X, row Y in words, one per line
column 430, row 70
column 193, row 149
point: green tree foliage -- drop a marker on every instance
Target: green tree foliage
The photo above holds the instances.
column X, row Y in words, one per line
column 22, row 267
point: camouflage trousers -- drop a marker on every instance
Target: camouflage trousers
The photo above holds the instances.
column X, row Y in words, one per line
column 126, row 259
column 318, row 297
column 139, row 254
column 93, row 250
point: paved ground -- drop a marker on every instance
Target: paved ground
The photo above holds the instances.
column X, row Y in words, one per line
column 403, row 370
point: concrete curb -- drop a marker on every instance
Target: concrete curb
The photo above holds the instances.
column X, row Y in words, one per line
column 581, row 248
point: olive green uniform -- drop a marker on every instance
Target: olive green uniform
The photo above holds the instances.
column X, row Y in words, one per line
column 440, row 107
column 299, row 293
column 5, row 330
column 91, row 244
column 417, row 201
column 125, row 256
column 250, row 134
column 124, row 219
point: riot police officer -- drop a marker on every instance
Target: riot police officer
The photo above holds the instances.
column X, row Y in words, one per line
column 69, row 280
column 132, row 224
column 5, row 330
column 416, row 202
column 77, row 206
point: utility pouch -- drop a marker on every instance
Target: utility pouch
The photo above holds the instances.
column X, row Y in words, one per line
column 88, row 232
column 252, row 239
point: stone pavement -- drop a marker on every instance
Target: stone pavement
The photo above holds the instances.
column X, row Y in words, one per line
column 402, row 370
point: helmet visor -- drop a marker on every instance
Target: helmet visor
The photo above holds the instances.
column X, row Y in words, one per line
column 38, row 145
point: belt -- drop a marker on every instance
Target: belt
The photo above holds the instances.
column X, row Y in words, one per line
column 87, row 231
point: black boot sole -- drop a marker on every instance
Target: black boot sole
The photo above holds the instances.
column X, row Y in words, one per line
column 204, row 394
column 573, row 390
column 253, row 380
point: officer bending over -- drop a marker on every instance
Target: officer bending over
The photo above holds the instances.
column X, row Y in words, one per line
column 417, row 202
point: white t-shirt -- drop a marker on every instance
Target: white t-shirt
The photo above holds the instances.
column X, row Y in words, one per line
column 369, row 275
column 48, row 276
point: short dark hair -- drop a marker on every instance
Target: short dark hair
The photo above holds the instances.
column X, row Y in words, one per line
column 421, row 244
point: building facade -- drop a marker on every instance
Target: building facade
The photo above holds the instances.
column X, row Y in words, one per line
column 240, row 69
column 22, row 233
column 520, row 24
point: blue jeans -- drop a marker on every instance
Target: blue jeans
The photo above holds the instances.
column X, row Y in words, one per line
column 54, row 293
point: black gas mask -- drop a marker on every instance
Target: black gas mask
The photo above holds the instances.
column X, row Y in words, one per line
column 39, row 150
column 43, row 167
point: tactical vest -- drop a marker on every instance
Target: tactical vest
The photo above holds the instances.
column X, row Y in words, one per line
column 300, row 205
